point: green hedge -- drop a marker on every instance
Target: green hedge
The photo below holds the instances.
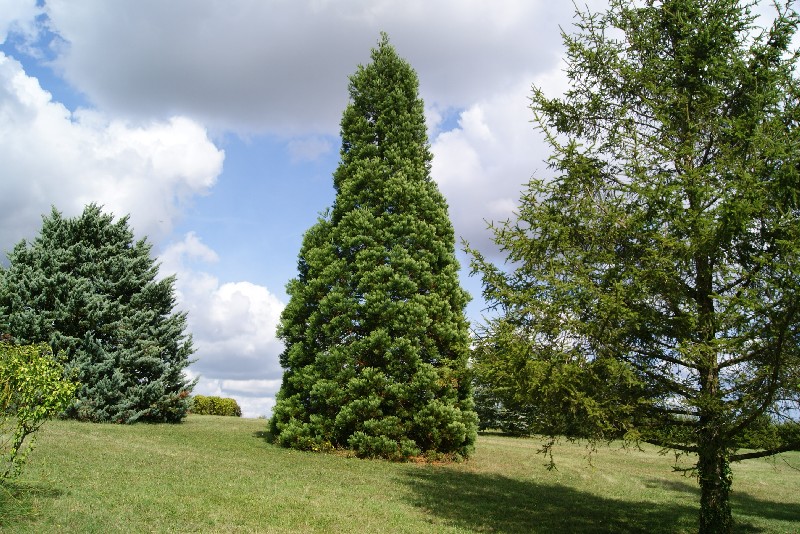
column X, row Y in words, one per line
column 202, row 405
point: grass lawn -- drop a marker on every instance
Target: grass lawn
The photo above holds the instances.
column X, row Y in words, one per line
column 216, row 474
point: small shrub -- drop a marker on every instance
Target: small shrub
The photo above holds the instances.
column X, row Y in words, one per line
column 211, row 405
column 32, row 389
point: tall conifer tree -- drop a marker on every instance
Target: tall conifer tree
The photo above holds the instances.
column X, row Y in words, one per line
column 84, row 286
column 652, row 287
column 376, row 339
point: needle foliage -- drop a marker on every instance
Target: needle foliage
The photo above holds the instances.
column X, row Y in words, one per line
column 90, row 291
column 376, row 338
column 652, row 288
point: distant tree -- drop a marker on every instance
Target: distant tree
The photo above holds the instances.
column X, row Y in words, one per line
column 653, row 286
column 376, row 338
column 497, row 413
column 33, row 388
column 85, row 287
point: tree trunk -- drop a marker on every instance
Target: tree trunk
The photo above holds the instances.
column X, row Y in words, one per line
column 713, row 465
column 715, row 485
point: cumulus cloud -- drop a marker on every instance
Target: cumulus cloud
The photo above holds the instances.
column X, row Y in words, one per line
column 483, row 164
column 233, row 325
column 52, row 156
column 19, row 18
column 282, row 67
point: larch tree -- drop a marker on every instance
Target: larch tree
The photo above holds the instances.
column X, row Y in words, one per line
column 376, row 342
column 89, row 290
column 652, row 288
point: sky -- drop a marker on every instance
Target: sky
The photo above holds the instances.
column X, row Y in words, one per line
column 215, row 127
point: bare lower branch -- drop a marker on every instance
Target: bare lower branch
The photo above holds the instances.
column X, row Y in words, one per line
column 794, row 446
column 672, row 446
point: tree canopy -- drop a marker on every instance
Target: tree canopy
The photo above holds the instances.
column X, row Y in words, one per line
column 651, row 285
column 88, row 289
column 375, row 333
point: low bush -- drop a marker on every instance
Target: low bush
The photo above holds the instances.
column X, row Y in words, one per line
column 210, row 405
column 33, row 388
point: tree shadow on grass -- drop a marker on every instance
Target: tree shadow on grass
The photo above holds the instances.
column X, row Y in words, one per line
column 16, row 501
column 742, row 504
column 748, row 506
column 264, row 435
column 494, row 503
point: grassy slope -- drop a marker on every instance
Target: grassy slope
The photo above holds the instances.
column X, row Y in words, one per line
column 215, row 474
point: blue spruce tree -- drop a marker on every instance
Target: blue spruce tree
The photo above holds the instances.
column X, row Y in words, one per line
column 87, row 288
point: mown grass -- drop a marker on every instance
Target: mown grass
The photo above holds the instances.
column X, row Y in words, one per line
column 215, row 474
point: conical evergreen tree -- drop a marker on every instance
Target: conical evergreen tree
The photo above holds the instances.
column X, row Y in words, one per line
column 376, row 339
column 87, row 288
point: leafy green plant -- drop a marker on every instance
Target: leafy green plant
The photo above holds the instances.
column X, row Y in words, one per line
column 32, row 389
column 211, row 405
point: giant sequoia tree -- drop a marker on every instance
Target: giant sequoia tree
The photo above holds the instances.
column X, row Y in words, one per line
column 376, row 339
column 653, row 287
column 85, row 287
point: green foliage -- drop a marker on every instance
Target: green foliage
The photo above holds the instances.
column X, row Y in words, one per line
column 211, row 405
column 653, row 286
column 85, row 287
column 376, row 339
column 32, row 389
column 497, row 413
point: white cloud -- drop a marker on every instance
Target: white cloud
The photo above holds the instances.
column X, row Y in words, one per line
column 18, row 17
column 174, row 258
column 282, row 67
column 233, row 325
column 482, row 165
column 238, row 66
column 52, row 156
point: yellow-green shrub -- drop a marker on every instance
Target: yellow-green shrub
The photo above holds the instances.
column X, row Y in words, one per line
column 211, row 405
column 32, row 389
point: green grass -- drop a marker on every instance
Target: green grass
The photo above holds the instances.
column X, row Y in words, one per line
column 217, row 474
